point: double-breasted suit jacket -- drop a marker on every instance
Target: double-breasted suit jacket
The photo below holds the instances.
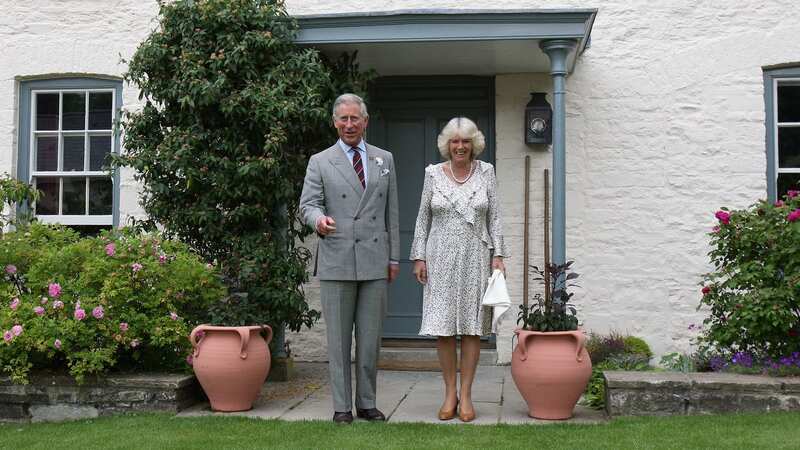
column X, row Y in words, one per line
column 367, row 233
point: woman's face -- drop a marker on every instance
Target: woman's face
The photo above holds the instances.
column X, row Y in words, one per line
column 460, row 150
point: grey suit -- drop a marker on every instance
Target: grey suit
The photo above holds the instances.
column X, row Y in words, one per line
column 352, row 262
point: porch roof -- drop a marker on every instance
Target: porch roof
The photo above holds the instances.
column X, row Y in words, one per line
column 448, row 41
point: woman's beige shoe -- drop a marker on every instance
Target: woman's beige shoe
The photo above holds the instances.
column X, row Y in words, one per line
column 448, row 414
column 466, row 417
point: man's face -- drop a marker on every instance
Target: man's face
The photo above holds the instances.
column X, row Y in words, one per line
column 349, row 123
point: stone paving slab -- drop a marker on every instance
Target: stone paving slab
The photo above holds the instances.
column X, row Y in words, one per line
column 404, row 396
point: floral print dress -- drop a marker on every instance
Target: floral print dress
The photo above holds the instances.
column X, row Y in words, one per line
column 458, row 231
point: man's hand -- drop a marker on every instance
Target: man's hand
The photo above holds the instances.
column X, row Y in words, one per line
column 326, row 225
column 394, row 269
column 421, row 271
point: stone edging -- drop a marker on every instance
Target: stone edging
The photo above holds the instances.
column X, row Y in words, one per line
column 675, row 393
column 55, row 398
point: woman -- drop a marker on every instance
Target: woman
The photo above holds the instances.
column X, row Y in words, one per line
column 457, row 243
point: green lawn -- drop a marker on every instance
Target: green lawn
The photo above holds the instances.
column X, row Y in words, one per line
column 770, row 431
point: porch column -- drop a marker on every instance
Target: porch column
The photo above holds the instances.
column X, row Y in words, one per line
column 557, row 50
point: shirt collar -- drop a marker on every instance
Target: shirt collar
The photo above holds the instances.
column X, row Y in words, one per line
column 361, row 146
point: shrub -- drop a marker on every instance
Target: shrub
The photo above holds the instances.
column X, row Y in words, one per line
column 613, row 351
column 121, row 300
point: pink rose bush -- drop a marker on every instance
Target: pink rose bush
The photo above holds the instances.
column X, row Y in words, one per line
column 752, row 295
column 92, row 304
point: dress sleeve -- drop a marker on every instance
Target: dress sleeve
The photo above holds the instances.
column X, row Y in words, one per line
column 493, row 221
column 423, row 226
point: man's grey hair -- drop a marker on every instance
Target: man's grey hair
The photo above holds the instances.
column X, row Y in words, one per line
column 353, row 99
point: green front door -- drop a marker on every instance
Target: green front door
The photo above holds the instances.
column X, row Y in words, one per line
column 406, row 116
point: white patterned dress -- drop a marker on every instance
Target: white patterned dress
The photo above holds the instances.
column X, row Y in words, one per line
column 458, row 231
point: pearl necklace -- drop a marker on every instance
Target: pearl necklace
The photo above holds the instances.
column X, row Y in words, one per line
column 469, row 175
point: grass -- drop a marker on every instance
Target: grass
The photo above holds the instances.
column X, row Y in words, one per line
column 772, row 431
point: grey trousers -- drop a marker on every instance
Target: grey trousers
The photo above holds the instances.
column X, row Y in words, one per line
column 345, row 303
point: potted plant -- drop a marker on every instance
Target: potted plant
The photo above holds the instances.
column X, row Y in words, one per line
column 550, row 364
column 231, row 109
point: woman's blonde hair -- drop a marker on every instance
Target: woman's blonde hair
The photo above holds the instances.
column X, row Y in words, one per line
column 465, row 129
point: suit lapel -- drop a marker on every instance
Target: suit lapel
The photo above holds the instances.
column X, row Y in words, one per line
column 345, row 167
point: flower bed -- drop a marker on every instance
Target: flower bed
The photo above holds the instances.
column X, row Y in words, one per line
column 121, row 301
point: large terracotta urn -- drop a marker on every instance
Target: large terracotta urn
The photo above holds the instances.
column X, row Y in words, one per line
column 231, row 364
column 551, row 370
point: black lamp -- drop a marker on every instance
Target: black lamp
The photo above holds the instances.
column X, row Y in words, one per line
column 538, row 120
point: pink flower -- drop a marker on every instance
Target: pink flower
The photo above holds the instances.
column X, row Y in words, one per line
column 706, row 290
column 779, row 203
column 134, row 343
column 111, row 249
column 793, row 216
column 123, row 326
column 57, row 344
column 209, row 266
column 136, row 267
column 80, row 314
column 162, row 258
column 189, row 359
column 39, row 311
column 98, row 312
column 792, row 193
column 723, row 217
column 14, row 303
column 173, row 316
column 200, row 334
column 54, row 289
column 11, row 269
column 715, row 229
column 7, row 336
column 17, row 330
column 58, row 304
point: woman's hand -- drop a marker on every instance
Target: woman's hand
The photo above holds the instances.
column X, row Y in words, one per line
column 421, row 271
column 497, row 263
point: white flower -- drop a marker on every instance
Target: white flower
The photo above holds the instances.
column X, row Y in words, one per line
column 379, row 161
column 384, row 172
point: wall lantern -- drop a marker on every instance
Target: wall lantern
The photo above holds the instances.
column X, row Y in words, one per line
column 538, row 120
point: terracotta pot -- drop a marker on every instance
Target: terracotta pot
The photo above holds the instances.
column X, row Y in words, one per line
column 231, row 364
column 551, row 371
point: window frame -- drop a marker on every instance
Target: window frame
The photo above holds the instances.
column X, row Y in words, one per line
column 772, row 78
column 25, row 155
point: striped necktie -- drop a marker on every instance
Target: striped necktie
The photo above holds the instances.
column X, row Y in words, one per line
column 358, row 165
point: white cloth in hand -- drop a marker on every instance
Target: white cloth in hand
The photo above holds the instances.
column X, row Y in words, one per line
column 496, row 296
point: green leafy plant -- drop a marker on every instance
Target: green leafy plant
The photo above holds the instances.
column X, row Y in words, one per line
column 613, row 351
column 553, row 312
column 122, row 301
column 753, row 294
column 15, row 193
column 232, row 110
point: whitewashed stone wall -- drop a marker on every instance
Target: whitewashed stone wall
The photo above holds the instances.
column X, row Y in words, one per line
column 665, row 123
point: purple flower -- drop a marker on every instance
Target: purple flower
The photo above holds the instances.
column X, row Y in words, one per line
column 57, row 344
column 190, row 359
column 779, row 203
column 16, row 330
column 39, row 311
column 715, row 229
column 11, row 269
column 123, row 326
column 54, row 290
column 792, row 193
column 111, row 249
column 717, row 363
column 80, row 314
column 173, row 316
column 162, row 258
column 723, row 217
column 793, row 216
column 136, row 267
column 742, row 359
column 134, row 343
column 98, row 312
column 14, row 303
column 7, row 336
column 58, row 304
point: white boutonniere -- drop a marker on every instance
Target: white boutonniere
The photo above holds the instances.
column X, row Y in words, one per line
column 379, row 161
column 384, row 172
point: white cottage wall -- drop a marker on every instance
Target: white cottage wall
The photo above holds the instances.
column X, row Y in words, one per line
column 665, row 123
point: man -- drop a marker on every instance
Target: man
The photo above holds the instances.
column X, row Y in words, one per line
column 350, row 199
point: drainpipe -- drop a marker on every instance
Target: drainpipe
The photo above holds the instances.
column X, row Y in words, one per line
column 557, row 50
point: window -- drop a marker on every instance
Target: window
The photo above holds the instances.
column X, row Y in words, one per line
column 66, row 137
column 782, row 95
